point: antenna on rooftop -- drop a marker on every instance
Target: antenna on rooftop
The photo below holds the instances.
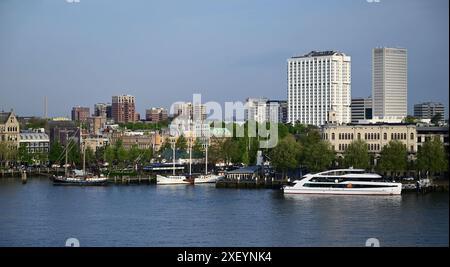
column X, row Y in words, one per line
column 45, row 107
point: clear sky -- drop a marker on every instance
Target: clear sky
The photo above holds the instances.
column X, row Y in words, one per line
column 227, row 50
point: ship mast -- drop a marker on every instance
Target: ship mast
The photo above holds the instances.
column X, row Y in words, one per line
column 173, row 143
column 206, row 144
column 190, row 143
column 67, row 147
column 83, row 148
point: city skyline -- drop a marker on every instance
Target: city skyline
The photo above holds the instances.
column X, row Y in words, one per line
column 227, row 51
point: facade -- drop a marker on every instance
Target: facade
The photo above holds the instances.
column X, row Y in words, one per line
column 123, row 108
column 109, row 111
column 129, row 139
column 361, row 109
column 318, row 83
column 256, row 110
column 96, row 124
column 9, row 129
column 428, row 110
column 375, row 135
column 36, row 141
column 281, row 113
column 263, row 110
column 60, row 130
column 80, row 114
column 390, row 82
column 249, row 173
column 95, row 142
column 101, row 110
column 425, row 133
column 190, row 111
column 156, row 115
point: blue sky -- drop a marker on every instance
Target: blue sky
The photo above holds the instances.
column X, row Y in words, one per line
column 227, row 50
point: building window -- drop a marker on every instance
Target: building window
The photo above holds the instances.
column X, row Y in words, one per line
column 412, row 136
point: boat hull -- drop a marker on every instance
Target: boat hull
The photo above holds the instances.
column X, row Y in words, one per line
column 345, row 191
column 207, row 179
column 172, row 180
column 62, row 181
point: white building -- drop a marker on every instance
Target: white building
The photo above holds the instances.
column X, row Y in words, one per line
column 390, row 82
column 263, row 110
column 319, row 82
column 256, row 109
column 36, row 141
column 189, row 111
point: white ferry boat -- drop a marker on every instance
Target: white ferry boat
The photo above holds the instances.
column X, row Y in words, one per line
column 344, row 182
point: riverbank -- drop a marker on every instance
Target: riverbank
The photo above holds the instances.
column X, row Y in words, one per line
column 39, row 214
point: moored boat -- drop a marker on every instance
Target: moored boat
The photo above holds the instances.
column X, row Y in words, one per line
column 173, row 179
column 344, row 182
column 83, row 180
column 207, row 179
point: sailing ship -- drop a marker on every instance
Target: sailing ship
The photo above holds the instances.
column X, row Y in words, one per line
column 175, row 179
column 207, row 178
column 78, row 177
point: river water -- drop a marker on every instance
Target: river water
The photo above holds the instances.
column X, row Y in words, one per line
column 40, row 214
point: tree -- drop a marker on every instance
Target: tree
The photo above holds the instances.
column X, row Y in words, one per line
column 231, row 151
column 56, row 151
column 296, row 129
column 317, row 156
column 181, row 143
column 431, row 157
column 253, row 150
column 100, row 154
column 309, row 135
column 7, row 153
column 146, row 155
column 410, row 119
column 283, row 131
column 357, row 155
column 122, row 155
column 90, row 156
column 393, row 158
column 215, row 150
column 74, row 155
column 197, row 149
column 24, row 155
column 41, row 157
column 134, row 153
column 109, row 155
column 436, row 119
column 35, row 123
column 286, row 154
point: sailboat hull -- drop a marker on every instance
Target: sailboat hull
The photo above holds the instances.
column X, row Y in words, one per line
column 207, row 179
column 79, row 181
column 172, row 180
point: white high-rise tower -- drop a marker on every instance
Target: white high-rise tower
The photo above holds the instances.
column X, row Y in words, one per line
column 390, row 83
column 319, row 83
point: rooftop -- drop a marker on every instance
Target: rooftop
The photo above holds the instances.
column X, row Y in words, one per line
column 4, row 116
column 320, row 54
column 245, row 170
column 34, row 136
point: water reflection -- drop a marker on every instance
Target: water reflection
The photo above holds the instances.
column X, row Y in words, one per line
column 40, row 214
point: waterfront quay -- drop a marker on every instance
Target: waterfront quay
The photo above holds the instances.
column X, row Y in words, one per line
column 242, row 178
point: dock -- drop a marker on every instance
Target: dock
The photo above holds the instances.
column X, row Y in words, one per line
column 268, row 183
column 126, row 180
